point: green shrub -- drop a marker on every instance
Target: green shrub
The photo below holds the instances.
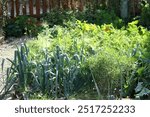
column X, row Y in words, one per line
column 96, row 16
column 145, row 14
column 58, row 17
column 102, row 16
column 22, row 25
column 12, row 29
column 141, row 56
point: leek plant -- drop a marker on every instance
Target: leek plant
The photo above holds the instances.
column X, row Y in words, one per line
column 56, row 76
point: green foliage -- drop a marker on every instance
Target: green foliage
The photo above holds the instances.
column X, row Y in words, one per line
column 55, row 76
column 141, row 90
column 145, row 14
column 28, row 25
column 115, row 52
column 96, row 16
column 101, row 16
column 83, row 61
column 22, row 25
column 112, row 51
column 12, row 29
column 139, row 78
column 58, row 17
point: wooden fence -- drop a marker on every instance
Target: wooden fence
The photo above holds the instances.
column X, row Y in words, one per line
column 37, row 7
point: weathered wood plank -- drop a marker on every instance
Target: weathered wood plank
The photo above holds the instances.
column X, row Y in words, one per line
column 12, row 8
column 17, row 7
column 31, row 7
column 38, row 7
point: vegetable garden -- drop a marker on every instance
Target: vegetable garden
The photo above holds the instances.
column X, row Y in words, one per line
column 90, row 54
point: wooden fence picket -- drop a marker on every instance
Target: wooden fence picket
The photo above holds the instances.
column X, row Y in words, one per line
column 38, row 8
column 31, row 7
column 12, row 8
column 17, row 7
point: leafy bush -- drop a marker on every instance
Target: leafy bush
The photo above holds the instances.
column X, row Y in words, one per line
column 29, row 25
column 145, row 14
column 12, row 29
column 96, row 16
column 22, row 25
column 101, row 16
column 58, row 17
column 138, row 80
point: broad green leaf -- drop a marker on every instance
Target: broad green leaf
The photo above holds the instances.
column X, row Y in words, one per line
column 139, row 87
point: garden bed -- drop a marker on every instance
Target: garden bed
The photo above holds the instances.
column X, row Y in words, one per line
column 96, row 56
column 7, row 49
column 82, row 61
